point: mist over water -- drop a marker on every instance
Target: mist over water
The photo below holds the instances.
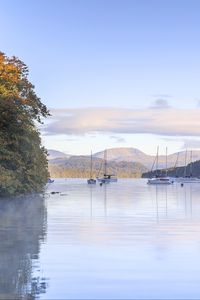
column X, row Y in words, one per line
column 125, row 240
column 22, row 231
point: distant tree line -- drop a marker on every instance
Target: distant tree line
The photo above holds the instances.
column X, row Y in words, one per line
column 23, row 162
column 192, row 169
column 79, row 167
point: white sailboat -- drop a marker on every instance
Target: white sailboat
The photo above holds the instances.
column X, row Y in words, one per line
column 160, row 179
column 106, row 178
column 188, row 178
column 91, row 180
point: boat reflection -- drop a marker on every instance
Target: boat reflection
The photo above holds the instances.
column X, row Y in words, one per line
column 92, row 206
column 22, row 229
column 183, row 196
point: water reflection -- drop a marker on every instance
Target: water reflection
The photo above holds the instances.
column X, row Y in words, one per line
column 126, row 240
column 103, row 190
column 22, row 229
column 105, row 200
column 91, row 196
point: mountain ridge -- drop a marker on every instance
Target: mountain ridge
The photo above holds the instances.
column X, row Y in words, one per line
column 130, row 154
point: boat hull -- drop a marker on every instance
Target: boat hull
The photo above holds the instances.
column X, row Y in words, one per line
column 187, row 180
column 91, row 181
column 162, row 180
column 106, row 180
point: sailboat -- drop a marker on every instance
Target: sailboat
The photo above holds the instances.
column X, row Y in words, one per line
column 91, row 180
column 188, row 178
column 106, row 178
column 160, row 179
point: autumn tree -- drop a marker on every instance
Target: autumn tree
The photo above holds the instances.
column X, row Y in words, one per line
column 23, row 162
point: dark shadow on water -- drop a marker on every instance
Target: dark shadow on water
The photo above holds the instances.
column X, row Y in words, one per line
column 22, row 230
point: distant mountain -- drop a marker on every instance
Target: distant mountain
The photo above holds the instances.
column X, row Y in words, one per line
column 135, row 155
column 128, row 162
column 52, row 154
column 123, row 154
column 79, row 166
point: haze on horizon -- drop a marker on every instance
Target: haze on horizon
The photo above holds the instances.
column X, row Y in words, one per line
column 113, row 73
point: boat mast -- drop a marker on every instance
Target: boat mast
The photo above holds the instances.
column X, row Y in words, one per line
column 91, row 165
column 157, row 161
column 185, row 170
column 166, row 163
column 153, row 164
column 105, row 162
column 191, row 163
column 176, row 164
column 100, row 168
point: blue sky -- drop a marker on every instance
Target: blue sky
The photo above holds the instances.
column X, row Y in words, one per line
column 142, row 56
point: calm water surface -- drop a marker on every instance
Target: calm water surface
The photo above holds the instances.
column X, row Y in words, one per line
column 124, row 240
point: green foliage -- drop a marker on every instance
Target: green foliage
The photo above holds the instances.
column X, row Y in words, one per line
column 23, row 161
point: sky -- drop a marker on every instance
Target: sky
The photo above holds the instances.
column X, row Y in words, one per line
column 113, row 73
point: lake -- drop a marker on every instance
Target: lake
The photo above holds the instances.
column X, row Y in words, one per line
column 124, row 240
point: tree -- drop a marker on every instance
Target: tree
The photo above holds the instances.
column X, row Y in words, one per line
column 23, row 161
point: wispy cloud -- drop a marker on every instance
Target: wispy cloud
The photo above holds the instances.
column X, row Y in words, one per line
column 160, row 121
column 70, row 139
column 198, row 102
column 160, row 103
column 117, row 139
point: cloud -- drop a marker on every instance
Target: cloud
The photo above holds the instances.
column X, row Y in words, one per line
column 160, row 103
column 118, row 139
column 160, row 121
column 70, row 139
column 198, row 102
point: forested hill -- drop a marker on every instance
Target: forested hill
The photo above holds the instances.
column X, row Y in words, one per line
column 192, row 169
column 23, row 161
column 135, row 155
column 79, row 166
